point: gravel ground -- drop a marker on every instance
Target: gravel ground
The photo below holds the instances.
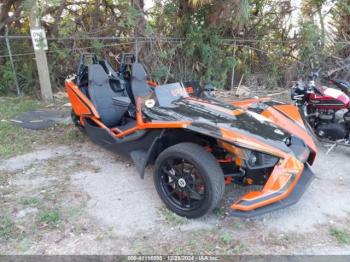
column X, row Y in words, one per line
column 105, row 208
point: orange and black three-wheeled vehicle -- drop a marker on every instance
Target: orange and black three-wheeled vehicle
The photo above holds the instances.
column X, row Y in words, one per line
column 197, row 143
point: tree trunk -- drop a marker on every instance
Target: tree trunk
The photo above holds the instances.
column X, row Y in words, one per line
column 5, row 7
column 140, row 26
column 58, row 18
column 323, row 30
column 96, row 17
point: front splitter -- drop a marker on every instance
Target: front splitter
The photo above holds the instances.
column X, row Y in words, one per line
column 305, row 180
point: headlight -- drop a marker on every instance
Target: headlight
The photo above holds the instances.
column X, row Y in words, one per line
column 257, row 160
column 250, row 159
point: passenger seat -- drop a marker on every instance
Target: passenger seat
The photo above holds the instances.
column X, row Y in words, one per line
column 101, row 95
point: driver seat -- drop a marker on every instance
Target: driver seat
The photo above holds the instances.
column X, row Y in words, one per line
column 103, row 97
column 139, row 86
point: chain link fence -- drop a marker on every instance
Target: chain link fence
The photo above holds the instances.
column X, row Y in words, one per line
column 258, row 64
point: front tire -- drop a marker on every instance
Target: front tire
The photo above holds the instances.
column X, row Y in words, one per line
column 189, row 180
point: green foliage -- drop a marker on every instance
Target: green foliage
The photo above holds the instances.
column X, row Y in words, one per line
column 343, row 6
column 211, row 60
column 27, row 5
column 11, row 107
column 243, row 61
column 160, row 73
column 171, row 218
column 132, row 16
column 97, row 45
column 340, row 17
column 27, row 76
column 8, row 229
column 311, row 35
column 226, row 238
column 341, row 235
column 243, row 16
column 53, row 2
column 49, row 217
column 273, row 77
column 32, row 201
column 14, row 139
column 219, row 211
column 7, row 83
column 202, row 55
column 61, row 63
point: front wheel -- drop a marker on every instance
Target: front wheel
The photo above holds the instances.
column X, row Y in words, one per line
column 189, row 180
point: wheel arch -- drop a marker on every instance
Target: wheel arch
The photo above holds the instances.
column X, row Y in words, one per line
column 171, row 137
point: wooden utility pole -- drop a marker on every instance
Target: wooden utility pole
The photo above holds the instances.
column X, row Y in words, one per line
column 40, row 57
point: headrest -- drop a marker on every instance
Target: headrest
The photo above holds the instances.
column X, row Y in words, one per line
column 97, row 75
column 138, row 71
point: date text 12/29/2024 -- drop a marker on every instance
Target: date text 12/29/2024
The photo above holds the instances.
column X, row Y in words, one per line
column 173, row 258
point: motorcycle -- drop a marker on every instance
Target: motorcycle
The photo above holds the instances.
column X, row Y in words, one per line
column 324, row 109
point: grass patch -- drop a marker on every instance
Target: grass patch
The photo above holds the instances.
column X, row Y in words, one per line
column 68, row 134
column 219, row 211
column 14, row 139
column 8, row 229
column 200, row 242
column 4, row 178
column 238, row 248
column 226, row 238
column 171, row 218
column 49, row 217
column 32, row 201
column 341, row 235
column 10, row 107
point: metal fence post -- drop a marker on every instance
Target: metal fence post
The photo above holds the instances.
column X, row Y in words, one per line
column 11, row 60
column 233, row 67
column 136, row 50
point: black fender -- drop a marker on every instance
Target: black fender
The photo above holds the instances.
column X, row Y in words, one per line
column 143, row 158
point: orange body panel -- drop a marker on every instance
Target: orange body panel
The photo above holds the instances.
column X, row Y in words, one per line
column 247, row 102
column 189, row 89
column 282, row 181
column 80, row 104
column 152, row 83
column 249, row 142
column 288, row 170
column 291, row 111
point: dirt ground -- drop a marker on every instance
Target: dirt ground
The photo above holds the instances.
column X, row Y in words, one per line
column 80, row 199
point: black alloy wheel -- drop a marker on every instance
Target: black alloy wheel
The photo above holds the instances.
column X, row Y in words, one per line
column 188, row 180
